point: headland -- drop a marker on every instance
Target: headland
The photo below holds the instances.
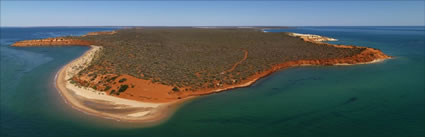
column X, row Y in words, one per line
column 142, row 75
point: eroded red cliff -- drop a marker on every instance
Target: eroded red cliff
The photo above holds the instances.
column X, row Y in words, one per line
column 52, row 42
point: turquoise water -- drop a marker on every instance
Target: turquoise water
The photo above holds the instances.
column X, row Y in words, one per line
column 386, row 99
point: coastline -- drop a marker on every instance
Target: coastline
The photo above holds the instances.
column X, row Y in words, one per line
column 88, row 100
column 368, row 56
column 99, row 104
column 251, row 80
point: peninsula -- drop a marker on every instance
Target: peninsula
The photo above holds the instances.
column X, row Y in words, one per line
column 144, row 74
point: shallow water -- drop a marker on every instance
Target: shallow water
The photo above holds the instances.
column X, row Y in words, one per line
column 383, row 99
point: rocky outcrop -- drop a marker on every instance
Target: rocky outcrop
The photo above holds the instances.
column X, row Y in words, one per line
column 312, row 37
column 52, row 42
column 367, row 55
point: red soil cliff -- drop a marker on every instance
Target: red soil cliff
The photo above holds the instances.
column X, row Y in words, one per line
column 52, row 42
column 368, row 55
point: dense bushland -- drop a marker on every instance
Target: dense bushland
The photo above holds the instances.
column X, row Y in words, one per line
column 198, row 58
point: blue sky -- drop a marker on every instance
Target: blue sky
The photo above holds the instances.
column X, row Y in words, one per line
column 212, row 13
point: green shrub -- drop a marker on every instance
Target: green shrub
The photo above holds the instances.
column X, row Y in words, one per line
column 122, row 80
column 112, row 92
column 123, row 88
column 107, row 88
column 176, row 89
column 112, row 79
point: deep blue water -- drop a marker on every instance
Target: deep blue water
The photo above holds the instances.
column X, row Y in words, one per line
column 385, row 99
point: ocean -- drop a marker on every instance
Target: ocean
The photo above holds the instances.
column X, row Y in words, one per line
column 385, row 99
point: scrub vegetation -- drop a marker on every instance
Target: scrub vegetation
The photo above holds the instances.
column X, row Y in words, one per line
column 198, row 58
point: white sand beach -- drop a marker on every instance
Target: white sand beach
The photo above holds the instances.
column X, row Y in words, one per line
column 90, row 100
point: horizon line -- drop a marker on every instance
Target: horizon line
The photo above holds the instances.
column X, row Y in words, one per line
column 226, row 26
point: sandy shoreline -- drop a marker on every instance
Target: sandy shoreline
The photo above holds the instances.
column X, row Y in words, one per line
column 96, row 102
